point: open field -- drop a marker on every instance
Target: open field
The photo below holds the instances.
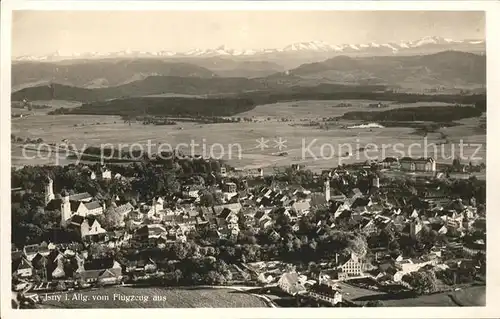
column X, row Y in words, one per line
column 54, row 104
column 471, row 296
column 58, row 103
column 176, row 95
column 294, row 110
column 317, row 148
column 468, row 297
column 116, row 297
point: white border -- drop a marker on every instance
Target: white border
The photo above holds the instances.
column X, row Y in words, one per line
column 493, row 53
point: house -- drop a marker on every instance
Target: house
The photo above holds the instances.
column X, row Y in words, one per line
column 106, row 174
column 22, row 267
column 301, row 207
column 368, row 226
column 355, row 193
column 141, row 265
column 265, row 223
column 418, row 165
column 85, row 226
column 274, row 235
column 228, row 216
column 234, row 207
column 289, row 283
column 383, row 223
column 229, row 190
column 339, row 207
column 30, row 251
column 361, row 202
column 124, row 209
column 81, row 197
column 103, row 271
column 89, row 208
column 353, row 266
column 229, row 232
column 150, row 232
column 40, row 263
column 390, row 162
column 386, row 270
column 410, row 265
column 325, row 293
column 91, row 227
column 57, row 263
column 79, row 207
column 223, row 171
column 155, row 208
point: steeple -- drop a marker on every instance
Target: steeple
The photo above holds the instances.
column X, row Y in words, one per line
column 327, row 189
column 49, row 190
column 65, row 207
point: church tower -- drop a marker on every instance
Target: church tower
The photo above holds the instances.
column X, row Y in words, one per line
column 65, row 208
column 415, row 228
column 49, row 190
column 327, row 189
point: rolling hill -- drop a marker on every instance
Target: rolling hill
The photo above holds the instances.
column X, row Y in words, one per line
column 231, row 67
column 152, row 85
column 448, row 68
column 100, row 73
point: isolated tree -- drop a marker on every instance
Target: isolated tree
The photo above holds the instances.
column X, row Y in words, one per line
column 111, row 219
column 207, row 199
column 422, row 282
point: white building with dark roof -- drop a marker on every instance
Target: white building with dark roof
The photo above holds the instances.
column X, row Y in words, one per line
column 289, row 283
column 418, row 164
column 81, row 207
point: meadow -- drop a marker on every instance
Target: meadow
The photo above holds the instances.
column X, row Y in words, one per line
column 317, row 148
column 466, row 297
column 469, row 297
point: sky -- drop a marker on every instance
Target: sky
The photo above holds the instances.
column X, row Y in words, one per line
column 44, row 32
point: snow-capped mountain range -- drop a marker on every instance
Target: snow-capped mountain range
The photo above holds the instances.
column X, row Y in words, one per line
column 312, row 47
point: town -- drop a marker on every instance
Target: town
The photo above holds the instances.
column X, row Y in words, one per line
column 395, row 228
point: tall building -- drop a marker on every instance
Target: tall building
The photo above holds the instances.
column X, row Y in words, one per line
column 65, row 208
column 327, row 189
column 415, row 228
column 49, row 190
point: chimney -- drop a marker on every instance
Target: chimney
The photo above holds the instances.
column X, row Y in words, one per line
column 336, row 259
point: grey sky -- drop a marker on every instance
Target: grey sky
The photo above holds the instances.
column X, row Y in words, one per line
column 42, row 32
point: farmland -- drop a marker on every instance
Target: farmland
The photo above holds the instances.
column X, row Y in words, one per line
column 156, row 298
column 466, row 297
column 89, row 130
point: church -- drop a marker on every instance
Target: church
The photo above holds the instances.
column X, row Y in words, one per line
column 81, row 204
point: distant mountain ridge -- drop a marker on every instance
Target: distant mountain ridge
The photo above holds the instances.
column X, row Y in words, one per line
column 153, row 85
column 110, row 72
column 101, row 73
column 423, row 45
column 449, row 68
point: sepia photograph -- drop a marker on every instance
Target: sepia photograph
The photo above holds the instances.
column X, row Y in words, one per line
column 246, row 159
